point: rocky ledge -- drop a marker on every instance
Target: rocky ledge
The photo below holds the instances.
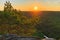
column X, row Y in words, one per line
column 15, row 37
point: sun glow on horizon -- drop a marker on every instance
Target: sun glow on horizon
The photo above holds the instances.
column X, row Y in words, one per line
column 36, row 11
column 35, row 8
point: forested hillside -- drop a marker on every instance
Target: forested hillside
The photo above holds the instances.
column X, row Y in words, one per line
column 50, row 24
column 23, row 23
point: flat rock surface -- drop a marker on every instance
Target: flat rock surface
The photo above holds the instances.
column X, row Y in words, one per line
column 15, row 37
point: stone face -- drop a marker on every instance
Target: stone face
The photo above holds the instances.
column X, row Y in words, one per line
column 48, row 39
column 15, row 37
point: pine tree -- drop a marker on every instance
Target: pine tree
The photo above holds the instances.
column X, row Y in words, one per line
column 7, row 6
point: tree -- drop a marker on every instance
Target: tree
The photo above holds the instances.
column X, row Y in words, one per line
column 13, row 21
column 8, row 6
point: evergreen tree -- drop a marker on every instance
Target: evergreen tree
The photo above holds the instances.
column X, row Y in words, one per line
column 7, row 6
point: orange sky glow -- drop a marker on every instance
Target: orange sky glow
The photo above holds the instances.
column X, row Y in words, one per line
column 28, row 5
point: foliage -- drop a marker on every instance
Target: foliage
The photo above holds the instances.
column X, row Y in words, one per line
column 21, row 23
column 15, row 22
column 50, row 24
column 39, row 34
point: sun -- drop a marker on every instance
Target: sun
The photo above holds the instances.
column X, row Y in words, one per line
column 35, row 8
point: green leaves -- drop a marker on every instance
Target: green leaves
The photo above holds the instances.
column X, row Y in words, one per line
column 38, row 34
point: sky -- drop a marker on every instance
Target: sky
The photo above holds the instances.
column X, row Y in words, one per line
column 28, row 5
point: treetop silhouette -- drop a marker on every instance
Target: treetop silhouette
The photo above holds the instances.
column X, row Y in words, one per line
column 8, row 6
